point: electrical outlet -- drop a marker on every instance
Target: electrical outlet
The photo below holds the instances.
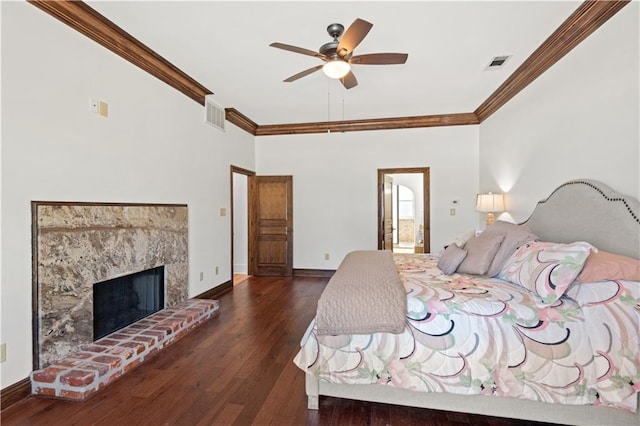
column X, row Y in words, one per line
column 217, row 270
column 201, row 276
column 93, row 105
column 326, row 256
column 3, row 352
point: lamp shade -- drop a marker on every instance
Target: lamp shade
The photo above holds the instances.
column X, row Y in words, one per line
column 490, row 203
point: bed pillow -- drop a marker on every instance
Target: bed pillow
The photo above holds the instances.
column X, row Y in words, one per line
column 480, row 252
column 451, row 259
column 514, row 237
column 604, row 266
column 462, row 239
column 546, row 269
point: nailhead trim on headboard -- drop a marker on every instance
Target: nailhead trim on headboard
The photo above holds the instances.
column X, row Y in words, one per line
column 600, row 191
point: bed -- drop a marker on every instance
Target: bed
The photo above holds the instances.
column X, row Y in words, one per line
column 566, row 354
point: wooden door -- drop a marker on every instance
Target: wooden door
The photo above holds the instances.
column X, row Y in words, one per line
column 271, row 225
column 382, row 206
column 387, row 220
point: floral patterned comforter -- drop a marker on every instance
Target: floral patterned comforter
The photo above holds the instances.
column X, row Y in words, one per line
column 469, row 335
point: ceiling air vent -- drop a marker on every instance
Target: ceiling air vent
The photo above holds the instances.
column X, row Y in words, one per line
column 497, row 62
column 214, row 113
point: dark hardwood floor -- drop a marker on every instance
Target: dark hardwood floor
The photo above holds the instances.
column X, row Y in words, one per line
column 235, row 369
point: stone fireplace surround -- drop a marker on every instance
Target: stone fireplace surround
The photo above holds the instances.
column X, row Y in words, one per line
column 78, row 244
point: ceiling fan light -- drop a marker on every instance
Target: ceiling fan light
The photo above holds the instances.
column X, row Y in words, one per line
column 336, row 68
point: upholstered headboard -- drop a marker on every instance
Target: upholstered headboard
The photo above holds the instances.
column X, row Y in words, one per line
column 586, row 210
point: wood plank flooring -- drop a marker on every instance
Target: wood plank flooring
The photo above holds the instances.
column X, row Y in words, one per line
column 236, row 369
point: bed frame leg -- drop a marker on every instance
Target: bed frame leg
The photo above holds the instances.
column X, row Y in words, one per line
column 313, row 403
column 312, row 386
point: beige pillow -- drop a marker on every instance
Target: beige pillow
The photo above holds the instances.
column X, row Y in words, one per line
column 480, row 253
column 451, row 259
column 514, row 236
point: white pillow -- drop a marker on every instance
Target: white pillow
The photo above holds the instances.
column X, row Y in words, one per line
column 462, row 239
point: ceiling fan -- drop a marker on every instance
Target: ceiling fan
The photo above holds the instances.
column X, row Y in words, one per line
column 338, row 54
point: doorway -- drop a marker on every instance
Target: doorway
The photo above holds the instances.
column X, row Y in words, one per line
column 240, row 269
column 403, row 210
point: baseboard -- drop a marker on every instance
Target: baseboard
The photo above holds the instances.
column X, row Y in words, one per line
column 216, row 291
column 318, row 273
column 15, row 393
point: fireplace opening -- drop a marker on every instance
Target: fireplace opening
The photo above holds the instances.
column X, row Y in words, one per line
column 122, row 301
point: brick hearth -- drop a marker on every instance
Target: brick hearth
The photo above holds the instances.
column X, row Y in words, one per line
column 83, row 373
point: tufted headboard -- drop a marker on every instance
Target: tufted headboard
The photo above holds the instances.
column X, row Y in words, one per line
column 586, row 210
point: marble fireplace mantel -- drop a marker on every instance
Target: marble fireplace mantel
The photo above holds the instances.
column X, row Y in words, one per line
column 76, row 245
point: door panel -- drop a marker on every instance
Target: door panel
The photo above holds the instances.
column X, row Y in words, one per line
column 271, row 225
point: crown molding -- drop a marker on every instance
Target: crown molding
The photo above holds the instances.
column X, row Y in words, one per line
column 461, row 119
column 86, row 20
column 234, row 116
column 587, row 18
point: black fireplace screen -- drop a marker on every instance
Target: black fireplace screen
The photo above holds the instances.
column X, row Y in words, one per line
column 125, row 300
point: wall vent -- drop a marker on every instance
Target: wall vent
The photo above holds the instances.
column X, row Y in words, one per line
column 214, row 113
column 497, row 62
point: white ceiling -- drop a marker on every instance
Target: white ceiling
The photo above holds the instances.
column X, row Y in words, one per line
column 225, row 47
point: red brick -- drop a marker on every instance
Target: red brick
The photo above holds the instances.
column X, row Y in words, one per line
column 131, row 366
column 111, row 361
column 101, row 369
column 44, row 391
column 68, row 362
column 77, row 396
column 129, row 331
column 163, row 328
column 137, row 346
column 159, row 335
column 138, row 326
column 81, row 355
column 159, row 317
column 113, row 377
column 124, row 353
column 78, row 378
column 48, row 375
column 107, row 342
column 147, row 340
column 119, row 336
column 93, row 348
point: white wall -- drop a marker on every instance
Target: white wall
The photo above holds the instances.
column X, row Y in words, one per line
column 335, row 179
column 240, row 224
column 578, row 120
column 153, row 148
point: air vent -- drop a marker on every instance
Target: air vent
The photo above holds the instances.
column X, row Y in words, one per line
column 214, row 113
column 497, row 62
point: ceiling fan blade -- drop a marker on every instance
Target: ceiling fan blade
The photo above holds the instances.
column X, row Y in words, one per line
column 303, row 73
column 296, row 49
column 379, row 59
column 349, row 80
column 353, row 36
